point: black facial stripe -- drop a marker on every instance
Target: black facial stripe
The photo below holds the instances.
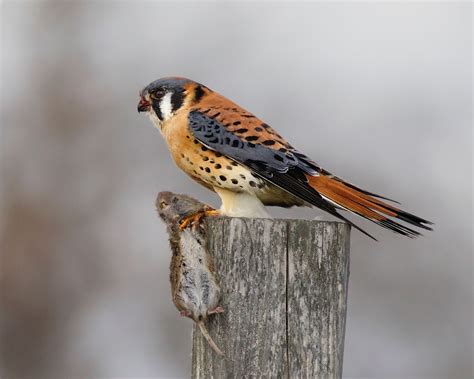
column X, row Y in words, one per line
column 156, row 108
column 177, row 99
column 198, row 93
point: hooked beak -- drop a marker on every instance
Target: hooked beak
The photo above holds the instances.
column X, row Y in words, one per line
column 143, row 105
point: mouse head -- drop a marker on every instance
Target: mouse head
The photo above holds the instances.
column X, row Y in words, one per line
column 173, row 207
column 166, row 204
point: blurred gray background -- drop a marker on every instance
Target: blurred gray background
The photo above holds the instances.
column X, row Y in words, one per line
column 379, row 93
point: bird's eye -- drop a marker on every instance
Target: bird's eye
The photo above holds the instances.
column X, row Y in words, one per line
column 162, row 204
column 158, row 94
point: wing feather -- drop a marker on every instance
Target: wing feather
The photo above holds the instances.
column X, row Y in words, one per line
column 281, row 169
column 267, row 155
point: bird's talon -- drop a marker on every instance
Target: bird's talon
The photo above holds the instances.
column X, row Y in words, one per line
column 183, row 224
column 188, row 220
column 211, row 212
column 196, row 217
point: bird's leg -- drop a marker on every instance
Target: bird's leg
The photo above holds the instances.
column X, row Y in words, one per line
column 196, row 217
column 240, row 204
column 218, row 309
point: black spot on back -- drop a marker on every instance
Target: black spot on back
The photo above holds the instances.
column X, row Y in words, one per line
column 198, row 93
column 278, row 157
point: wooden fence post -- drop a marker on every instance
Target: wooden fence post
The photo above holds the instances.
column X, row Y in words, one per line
column 284, row 292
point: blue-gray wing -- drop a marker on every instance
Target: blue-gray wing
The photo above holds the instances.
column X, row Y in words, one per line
column 286, row 170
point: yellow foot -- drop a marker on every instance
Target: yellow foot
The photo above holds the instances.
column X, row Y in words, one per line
column 211, row 212
column 196, row 217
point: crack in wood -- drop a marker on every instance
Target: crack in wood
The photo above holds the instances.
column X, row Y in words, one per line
column 284, row 293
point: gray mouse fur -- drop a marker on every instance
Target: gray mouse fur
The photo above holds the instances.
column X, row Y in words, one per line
column 194, row 286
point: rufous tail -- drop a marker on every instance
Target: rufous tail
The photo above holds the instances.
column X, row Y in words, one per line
column 366, row 204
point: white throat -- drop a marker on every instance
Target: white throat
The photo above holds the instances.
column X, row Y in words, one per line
column 154, row 119
column 166, row 107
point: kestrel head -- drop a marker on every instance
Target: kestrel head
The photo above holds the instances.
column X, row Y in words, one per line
column 164, row 97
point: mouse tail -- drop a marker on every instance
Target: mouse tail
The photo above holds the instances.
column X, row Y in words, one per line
column 208, row 338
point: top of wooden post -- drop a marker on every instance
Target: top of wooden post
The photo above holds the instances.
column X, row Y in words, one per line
column 284, row 294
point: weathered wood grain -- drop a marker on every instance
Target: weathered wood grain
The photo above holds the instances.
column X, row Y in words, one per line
column 318, row 271
column 284, row 292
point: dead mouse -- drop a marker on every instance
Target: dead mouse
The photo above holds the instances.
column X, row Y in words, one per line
column 194, row 286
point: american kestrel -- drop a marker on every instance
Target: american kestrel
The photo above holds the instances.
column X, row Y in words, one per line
column 248, row 164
